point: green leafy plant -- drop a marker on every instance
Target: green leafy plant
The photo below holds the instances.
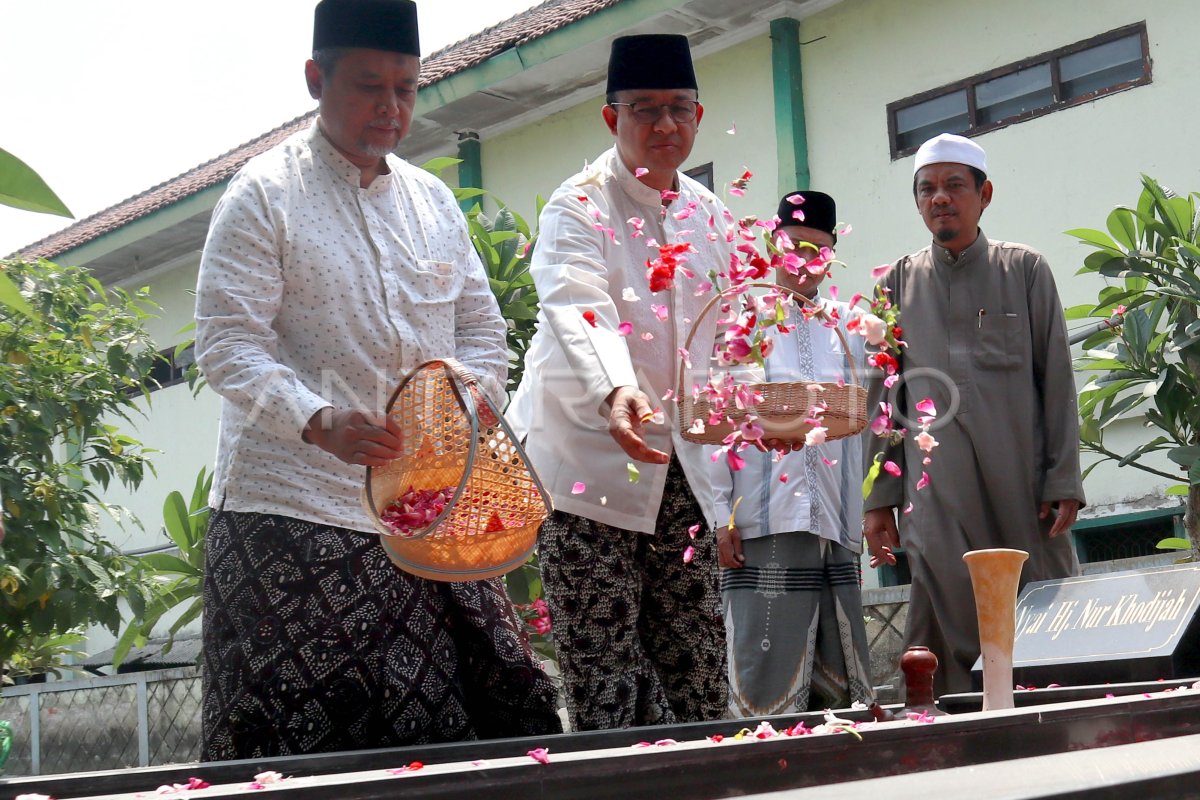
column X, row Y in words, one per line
column 39, row 655
column 1149, row 365
column 68, row 375
column 524, row 586
column 504, row 242
column 176, row 579
column 21, row 187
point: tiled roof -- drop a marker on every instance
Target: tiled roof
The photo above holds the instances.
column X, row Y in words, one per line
column 525, row 27
column 164, row 194
column 513, row 32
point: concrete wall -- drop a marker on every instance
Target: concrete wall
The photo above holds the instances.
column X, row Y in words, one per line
column 1063, row 170
column 180, row 427
column 1053, row 173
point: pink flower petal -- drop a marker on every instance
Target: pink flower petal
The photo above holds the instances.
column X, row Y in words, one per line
column 625, row 328
column 689, row 554
column 880, row 271
column 921, row 484
column 640, row 171
column 540, row 754
column 783, row 477
column 692, row 531
column 891, row 468
column 926, row 406
column 579, row 488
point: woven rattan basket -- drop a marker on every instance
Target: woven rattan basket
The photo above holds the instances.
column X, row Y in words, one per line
column 454, row 438
column 783, row 410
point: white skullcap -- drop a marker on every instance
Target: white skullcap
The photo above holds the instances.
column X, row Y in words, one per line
column 950, row 148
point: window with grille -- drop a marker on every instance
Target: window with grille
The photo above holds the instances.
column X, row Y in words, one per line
column 1126, row 536
column 702, row 174
column 169, row 370
column 1078, row 73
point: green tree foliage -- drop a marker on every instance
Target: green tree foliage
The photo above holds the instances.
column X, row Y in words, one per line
column 21, row 187
column 1150, row 364
column 68, row 373
column 504, row 242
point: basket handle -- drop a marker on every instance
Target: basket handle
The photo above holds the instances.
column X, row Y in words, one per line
column 687, row 345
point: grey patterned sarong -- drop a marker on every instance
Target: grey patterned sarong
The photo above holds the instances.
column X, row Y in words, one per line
column 794, row 623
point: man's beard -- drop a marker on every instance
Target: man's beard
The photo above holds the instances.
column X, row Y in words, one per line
column 945, row 235
column 375, row 150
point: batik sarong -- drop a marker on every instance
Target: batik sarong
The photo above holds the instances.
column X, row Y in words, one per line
column 637, row 628
column 315, row 642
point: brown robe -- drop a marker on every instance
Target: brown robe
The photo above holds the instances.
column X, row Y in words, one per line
column 988, row 327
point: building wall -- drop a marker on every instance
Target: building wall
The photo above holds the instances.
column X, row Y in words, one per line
column 1053, row 173
column 180, row 427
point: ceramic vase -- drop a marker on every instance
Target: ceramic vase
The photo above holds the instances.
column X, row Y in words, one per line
column 995, row 575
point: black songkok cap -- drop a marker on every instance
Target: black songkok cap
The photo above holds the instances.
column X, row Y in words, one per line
column 650, row 61
column 820, row 212
column 375, row 24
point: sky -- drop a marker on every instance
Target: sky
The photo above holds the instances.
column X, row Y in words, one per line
column 106, row 98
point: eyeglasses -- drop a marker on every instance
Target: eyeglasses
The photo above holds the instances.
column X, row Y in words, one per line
column 680, row 111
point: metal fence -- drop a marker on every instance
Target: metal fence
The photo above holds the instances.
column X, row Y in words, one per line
column 152, row 718
column 137, row 720
column 886, row 611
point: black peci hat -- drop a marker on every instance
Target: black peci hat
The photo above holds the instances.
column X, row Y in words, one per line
column 818, row 209
column 650, row 61
column 389, row 25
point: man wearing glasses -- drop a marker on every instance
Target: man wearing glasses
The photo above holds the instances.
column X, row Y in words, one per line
column 633, row 595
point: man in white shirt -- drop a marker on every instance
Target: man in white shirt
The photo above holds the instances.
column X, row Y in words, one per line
column 790, row 537
column 633, row 597
column 331, row 269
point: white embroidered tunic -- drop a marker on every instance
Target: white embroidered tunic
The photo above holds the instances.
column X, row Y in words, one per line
column 572, row 366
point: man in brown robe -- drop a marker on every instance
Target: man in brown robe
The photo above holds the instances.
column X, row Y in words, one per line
column 987, row 342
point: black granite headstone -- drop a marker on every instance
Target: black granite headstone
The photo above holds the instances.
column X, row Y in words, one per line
column 1120, row 627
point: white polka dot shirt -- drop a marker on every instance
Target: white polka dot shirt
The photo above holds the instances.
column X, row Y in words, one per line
column 314, row 292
